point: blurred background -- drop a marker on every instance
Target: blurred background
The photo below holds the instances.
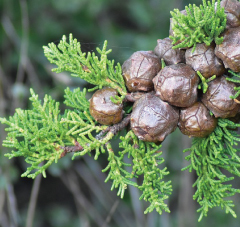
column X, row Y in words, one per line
column 74, row 193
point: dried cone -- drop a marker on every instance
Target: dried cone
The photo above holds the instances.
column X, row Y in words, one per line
column 177, row 84
column 204, row 60
column 217, row 98
column 140, row 69
column 170, row 56
column 152, row 119
column 229, row 50
column 103, row 110
column 232, row 10
column 196, row 121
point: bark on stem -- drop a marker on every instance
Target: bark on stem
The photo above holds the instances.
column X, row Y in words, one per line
column 114, row 129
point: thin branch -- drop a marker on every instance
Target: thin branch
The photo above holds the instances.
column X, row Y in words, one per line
column 69, row 149
column 111, row 212
column 33, row 200
column 12, row 205
column 13, row 36
column 105, row 199
column 95, row 170
column 114, row 129
column 71, row 182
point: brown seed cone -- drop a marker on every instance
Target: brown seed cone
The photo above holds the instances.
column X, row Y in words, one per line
column 140, row 69
column 204, row 60
column 170, row 56
column 177, row 84
column 196, row 121
column 232, row 10
column 152, row 119
column 217, row 98
column 229, row 50
column 103, row 110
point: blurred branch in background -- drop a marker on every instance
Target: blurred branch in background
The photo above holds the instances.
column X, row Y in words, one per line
column 12, row 205
column 24, row 62
column 186, row 205
column 71, row 182
column 33, row 201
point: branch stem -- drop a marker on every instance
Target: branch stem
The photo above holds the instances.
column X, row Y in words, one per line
column 104, row 134
column 114, row 129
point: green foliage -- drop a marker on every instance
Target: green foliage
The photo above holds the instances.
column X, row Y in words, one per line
column 36, row 135
column 204, row 82
column 99, row 72
column 163, row 63
column 76, row 99
column 43, row 135
column 201, row 24
column 40, row 134
column 235, row 79
column 209, row 157
column 145, row 162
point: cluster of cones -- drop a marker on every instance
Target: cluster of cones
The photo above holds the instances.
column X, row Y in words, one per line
column 166, row 83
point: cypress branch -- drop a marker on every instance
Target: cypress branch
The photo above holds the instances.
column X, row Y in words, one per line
column 209, row 156
column 235, row 79
column 97, row 71
column 43, row 135
column 201, row 24
column 37, row 134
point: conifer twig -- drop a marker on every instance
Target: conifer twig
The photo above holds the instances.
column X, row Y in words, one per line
column 68, row 149
column 114, row 129
column 202, row 24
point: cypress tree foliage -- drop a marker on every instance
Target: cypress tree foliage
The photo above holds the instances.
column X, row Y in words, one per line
column 44, row 135
column 37, row 135
column 202, row 24
column 235, row 78
column 99, row 72
column 209, row 156
column 204, row 82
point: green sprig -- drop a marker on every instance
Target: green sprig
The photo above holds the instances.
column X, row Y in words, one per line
column 117, row 173
column 37, row 135
column 146, row 162
column 163, row 63
column 83, row 131
column 236, row 80
column 204, row 82
column 202, row 24
column 76, row 99
column 41, row 134
column 97, row 71
column 209, row 156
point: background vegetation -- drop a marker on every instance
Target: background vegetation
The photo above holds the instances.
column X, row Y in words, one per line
column 74, row 192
